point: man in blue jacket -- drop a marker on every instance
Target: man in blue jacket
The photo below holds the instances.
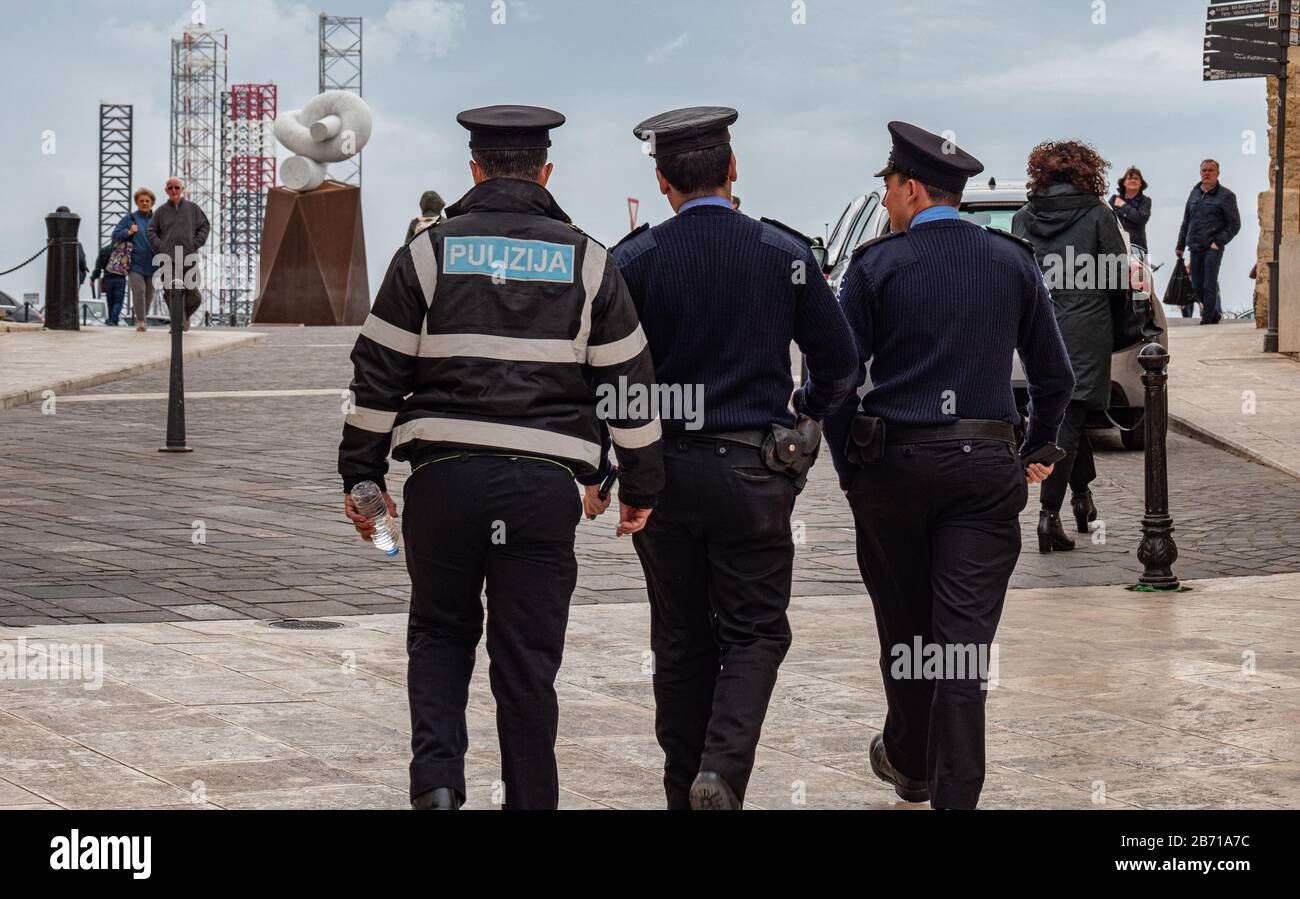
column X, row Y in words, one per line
column 1210, row 222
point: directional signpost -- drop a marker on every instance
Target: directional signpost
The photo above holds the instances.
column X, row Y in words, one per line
column 1251, row 40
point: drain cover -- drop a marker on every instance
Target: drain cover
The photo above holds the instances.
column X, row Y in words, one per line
column 294, row 624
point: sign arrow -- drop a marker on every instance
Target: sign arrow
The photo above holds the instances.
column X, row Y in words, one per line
column 1252, row 8
column 1263, row 28
column 1246, row 49
column 1230, row 63
column 1220, row 75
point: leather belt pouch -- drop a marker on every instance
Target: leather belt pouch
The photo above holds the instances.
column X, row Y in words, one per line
column 866, row 440
column 793, row 451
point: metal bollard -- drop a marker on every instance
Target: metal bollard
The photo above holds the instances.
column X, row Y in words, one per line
column 176, row 386
column 61, row 285
column 1158, row 551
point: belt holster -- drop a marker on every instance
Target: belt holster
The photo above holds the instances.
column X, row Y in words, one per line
column 866, row 444
column 793, row 451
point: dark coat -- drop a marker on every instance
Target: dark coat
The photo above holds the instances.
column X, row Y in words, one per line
column 1209, row 218
column 1133, row 217
column 1067, row 226
column 178, row 228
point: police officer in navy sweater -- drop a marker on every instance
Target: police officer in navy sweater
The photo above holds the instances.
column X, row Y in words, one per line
column 720, row 297
column 929, row 460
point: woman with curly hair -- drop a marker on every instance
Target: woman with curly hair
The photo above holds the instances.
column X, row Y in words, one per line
column 1084, row 258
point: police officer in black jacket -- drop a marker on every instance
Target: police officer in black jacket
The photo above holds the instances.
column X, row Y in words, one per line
column 482, row 364
column 928, row 458
column 721, row 296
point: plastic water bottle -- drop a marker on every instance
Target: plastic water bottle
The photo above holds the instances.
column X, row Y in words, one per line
column 369, row 501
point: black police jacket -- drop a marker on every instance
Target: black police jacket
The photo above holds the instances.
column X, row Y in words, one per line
column 503, row 328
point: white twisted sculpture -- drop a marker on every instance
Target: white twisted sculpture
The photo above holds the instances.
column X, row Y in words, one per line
column 332, row 127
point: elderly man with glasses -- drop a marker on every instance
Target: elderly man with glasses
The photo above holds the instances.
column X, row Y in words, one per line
column 177, row 231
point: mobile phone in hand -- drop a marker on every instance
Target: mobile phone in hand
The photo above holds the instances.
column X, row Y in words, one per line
column 1045, row 454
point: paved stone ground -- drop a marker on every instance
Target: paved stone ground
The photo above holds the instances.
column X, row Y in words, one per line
column 109, row 529
column 36, row 360
column 1105, row 699
column 1226, row 390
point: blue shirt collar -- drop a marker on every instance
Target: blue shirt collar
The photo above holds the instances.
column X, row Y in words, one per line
column 934, row 214
column 704, row 201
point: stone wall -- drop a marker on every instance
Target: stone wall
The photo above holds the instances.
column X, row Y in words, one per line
column 1291, row 195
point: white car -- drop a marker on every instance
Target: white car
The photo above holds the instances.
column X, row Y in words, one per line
column 994, row 204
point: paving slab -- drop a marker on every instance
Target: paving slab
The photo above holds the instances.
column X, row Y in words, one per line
column 1225, row 390
column 37, row 360
column 1105, row 699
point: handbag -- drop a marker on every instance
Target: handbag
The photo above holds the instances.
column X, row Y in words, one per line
column 1180, row 292
column 119, row 261
column 1134, row 319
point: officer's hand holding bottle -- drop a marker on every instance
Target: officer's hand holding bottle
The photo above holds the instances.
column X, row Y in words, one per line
column 365, row 526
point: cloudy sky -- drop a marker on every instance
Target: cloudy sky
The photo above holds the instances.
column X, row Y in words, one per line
column 814, row 96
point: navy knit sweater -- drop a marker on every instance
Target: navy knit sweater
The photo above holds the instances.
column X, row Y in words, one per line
column 720, row 296
column 938, row 310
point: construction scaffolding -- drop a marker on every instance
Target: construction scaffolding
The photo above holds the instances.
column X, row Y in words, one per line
column 249, row 154
column 198, row 100
column 340, row 70
column 115, row 146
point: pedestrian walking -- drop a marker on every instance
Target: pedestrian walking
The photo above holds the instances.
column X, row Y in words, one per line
column 928, row 456
column 721, row 297
column 1085, row 261
column 491, row 338
column 178, row 230
column 1210, row 222
column 112, row 285
column 134, row 227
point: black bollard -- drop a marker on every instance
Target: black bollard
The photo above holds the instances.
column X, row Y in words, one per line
column 1158, row 551
column 176, row 386
column 61, row 285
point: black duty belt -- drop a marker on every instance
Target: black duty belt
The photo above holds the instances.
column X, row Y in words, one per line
column 969, row 429
column 752, row 438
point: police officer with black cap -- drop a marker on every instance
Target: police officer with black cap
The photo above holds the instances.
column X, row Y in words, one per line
column 490, row 339
column 929, row 458
column 721, row 296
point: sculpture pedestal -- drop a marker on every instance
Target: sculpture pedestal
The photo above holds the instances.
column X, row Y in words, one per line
column 313, row 258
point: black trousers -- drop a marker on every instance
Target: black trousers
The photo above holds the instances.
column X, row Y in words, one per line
column 938, row 537
column 509, row 522
column 1078, row 469
column 718, row 560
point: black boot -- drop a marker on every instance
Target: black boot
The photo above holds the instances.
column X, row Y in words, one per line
column 1051, row 536
column 442, row 798
column 1085, row 511
column 711, row 793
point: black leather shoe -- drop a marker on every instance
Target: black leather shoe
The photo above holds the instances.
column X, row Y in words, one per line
column 1051, row 536
column 907, row 789
column 710, row 793
column 1085, row 511
column 442, row 798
